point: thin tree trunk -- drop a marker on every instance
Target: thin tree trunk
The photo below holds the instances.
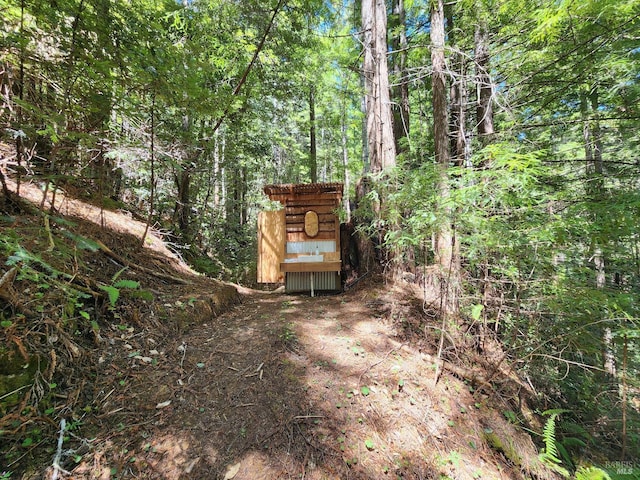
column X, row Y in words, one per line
column 245, row 74
column 400, row 91
column 345, row 164
column 458, row 100
column 19, row 143
column 484, row 111
column 5, row 188
column 484, row 124
column 313, row 153
column 242, row 189
column 152, row 152
column 444, row 240
column 595, row 190
column 183, row 205
column 366, row 164
column 216, row 171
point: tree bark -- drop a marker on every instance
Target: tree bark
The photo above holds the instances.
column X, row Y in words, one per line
column 444, row 238
column 484, row 111
column 458, row 96
column 182, row 213
column 313, row 152
column 152, row 155
column 380, row 139
column 345, row 163
column 400, row 91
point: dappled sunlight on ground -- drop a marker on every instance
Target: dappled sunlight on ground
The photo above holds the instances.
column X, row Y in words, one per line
column 380, row 412
column 117, row 221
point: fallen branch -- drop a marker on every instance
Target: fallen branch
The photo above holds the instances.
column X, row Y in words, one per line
column 56, row 460
column 15, row 391
column 110, row 253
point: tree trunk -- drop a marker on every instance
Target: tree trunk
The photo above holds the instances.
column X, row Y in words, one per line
column 595, row 190
column 345, row 164
column 19, row 144
column 242, row 194
column 380, row 139
column 313, row 153
column 444, row 239
column 484, row 111
column 152, row 183
column 458, row 100
column 400, row 92
column 183, row 203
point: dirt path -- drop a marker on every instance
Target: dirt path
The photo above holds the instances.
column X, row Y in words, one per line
column 175, row 382
column 296, row 387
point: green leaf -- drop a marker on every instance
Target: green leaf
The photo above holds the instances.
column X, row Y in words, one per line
column 476, row 311
column 132, row 284
column 81, row 242
column 118, row 273
column 365, row 391
column 113, row 293
column 369, row 444
column 142, row 294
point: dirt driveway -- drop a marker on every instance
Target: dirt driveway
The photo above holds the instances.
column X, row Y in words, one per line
column 290, row 387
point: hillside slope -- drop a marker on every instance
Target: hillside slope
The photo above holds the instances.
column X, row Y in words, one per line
column 156, row 372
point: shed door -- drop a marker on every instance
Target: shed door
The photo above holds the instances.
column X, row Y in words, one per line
column 272, row 236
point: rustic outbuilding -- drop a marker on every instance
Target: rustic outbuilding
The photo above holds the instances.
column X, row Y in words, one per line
column 299, row 244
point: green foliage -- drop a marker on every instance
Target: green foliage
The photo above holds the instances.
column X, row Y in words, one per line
column 288, row 335
column 113, row 291
column 591, row 473
column 552, row 451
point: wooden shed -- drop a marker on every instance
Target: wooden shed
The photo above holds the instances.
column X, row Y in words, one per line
column 299, row 245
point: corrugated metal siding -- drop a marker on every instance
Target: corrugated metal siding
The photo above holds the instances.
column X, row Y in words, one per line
column 301, row 281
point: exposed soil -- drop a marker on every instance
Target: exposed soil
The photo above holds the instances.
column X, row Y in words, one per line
column 214, row 381
column 292, row 387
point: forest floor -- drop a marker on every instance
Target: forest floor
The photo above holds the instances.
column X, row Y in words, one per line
column 185, row 377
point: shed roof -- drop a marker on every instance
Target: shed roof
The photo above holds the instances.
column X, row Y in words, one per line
column 303, row 188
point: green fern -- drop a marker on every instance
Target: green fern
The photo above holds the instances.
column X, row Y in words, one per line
column 550, row 455
column 591, row 473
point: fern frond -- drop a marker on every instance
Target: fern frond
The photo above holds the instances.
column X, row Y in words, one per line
column 549, row 438
column 591, row 473
column 550, row 454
